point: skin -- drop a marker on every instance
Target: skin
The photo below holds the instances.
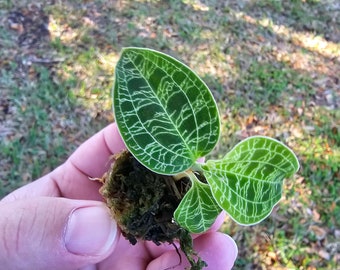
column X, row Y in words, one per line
column 41, row 228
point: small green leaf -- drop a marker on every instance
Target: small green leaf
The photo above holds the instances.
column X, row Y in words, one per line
column 247, row 182
column 165, row 113
column 198, row 209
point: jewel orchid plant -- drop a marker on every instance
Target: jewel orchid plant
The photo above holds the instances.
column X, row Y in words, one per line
column 169, row 119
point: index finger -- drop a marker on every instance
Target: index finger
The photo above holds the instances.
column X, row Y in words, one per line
column 91, row 160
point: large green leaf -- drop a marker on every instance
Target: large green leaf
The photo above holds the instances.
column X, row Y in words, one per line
column 165, row 113
column 198, row 209
column 247, row 182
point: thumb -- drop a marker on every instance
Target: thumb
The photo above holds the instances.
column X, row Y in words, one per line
column 55, row 233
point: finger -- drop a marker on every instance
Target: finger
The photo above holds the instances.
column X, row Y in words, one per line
column 38, row 188
column 127, row 256
column 90, row 160
column 218, row 250
column 55, row 233
column 71, row 179
column 55, row 184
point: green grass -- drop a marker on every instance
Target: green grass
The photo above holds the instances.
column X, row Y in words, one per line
column 36, row 141
column 271, row 65
column 45, row 113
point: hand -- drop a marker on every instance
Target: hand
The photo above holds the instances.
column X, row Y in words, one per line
column 60, row 222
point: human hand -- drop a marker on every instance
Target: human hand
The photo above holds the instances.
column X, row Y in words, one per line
column 60, row 222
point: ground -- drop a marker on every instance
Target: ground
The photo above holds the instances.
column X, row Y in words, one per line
column 273, row 67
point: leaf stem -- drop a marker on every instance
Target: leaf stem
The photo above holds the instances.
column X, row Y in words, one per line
column 181, row 175
column 197, row 167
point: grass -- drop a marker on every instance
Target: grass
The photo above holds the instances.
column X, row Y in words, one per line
column 272, row 66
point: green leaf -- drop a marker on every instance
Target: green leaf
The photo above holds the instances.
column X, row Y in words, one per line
column 247, row 182
column 198, row 209
column 165, row 113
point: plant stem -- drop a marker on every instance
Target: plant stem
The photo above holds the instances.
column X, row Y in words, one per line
column 197, row 167
column 181, row 175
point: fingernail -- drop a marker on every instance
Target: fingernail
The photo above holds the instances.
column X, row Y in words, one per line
column 90, row 231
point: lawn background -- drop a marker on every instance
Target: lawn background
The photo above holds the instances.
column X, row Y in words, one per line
column 273, row 67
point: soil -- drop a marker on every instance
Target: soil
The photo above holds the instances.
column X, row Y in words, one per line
column 143, row 203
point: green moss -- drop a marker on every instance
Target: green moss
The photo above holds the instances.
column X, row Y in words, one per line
column 143, row 203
